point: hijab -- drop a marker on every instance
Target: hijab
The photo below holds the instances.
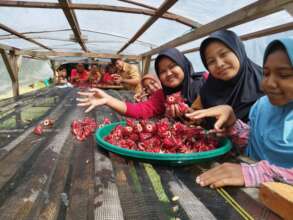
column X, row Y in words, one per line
column 242, row 90
column 192, row 81
column 271, row 136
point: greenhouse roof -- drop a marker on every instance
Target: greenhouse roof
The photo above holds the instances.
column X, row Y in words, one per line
column 129, row 28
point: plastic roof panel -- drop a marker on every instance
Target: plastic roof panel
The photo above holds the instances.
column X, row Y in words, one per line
column 164, row 30
column 208, row 10
column 33, row 19
column 20, row 43
column 272, row 20
column 114, row 23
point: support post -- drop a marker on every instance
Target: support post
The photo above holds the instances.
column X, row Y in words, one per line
column 12, row 63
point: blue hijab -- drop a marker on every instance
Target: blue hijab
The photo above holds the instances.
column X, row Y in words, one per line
column 192, row 81
column 271, row 136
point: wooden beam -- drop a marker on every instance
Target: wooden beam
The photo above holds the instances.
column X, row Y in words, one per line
column 163, row 8
column 72, row 20
column 178, row 18
column 12, row 63
column 7, row 47
column 11, row 31
column 75, row 54
column 251, row 12
column 146, row 65
column 99, row 7
column 257, row 34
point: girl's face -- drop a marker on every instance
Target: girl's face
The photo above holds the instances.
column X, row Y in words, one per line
column 150, row 85
column 171, row 75
column 222, row 62
column 277, row 81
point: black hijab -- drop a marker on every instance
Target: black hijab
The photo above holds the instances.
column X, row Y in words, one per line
column 192, row 81
column 241, row 91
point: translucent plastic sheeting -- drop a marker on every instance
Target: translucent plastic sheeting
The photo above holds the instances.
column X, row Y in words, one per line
column 33, row 70
column 33, row 19
column 19, row 43
column 163, row 30
column 110, row 22
column 208, row 10
column 5, row 81
column 272, row 20
column 30, row 72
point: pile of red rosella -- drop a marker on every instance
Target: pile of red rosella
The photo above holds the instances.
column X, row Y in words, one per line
column 162, row 136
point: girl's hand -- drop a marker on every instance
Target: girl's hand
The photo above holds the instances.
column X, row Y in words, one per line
column 227, row 174
column 223, row 113
column 175, row 111
column 95, row 97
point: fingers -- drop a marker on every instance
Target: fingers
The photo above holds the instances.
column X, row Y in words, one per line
column 173, row 110
column 199, row 114
column 84, row 104
column 177, row 111
column 82, row 99
column 85, row 93
column 89, row 108
column 94, row 90
column 220, row 122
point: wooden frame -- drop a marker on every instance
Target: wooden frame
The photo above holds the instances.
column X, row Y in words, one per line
column 243, row 15
column 12, row 63
column 163, row 8
column 11, row 31
column 257, row 34
column 72, row 20
column 180, row 19
column 50, row 5
column 75, row 54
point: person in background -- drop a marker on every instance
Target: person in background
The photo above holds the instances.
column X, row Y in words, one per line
column 175, row 73
column 79, row 76
column 127, row 75
column 150, row 84
column 233, row 78
column 268, row 138
column 94, row 75
column 61, row 76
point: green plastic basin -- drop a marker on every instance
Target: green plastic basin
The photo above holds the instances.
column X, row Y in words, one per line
column 160, row 158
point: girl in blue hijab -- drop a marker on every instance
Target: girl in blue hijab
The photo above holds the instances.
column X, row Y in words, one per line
column 270, row 138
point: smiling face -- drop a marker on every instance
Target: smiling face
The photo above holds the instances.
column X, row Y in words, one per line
column 150, row 85
column 277, row 82
column 221, row 61
column 171, row 75
column 119, row 64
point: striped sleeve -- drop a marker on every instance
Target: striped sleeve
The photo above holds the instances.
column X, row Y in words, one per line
column 255, row 174
column 239, row 133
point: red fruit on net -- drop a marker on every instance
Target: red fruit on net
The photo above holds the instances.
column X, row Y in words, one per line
column 48, row 122
column 38, row 130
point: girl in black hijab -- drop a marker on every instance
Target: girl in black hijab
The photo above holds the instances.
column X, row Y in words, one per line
column 192, row 81
column 234, row 79
column 175, row 73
